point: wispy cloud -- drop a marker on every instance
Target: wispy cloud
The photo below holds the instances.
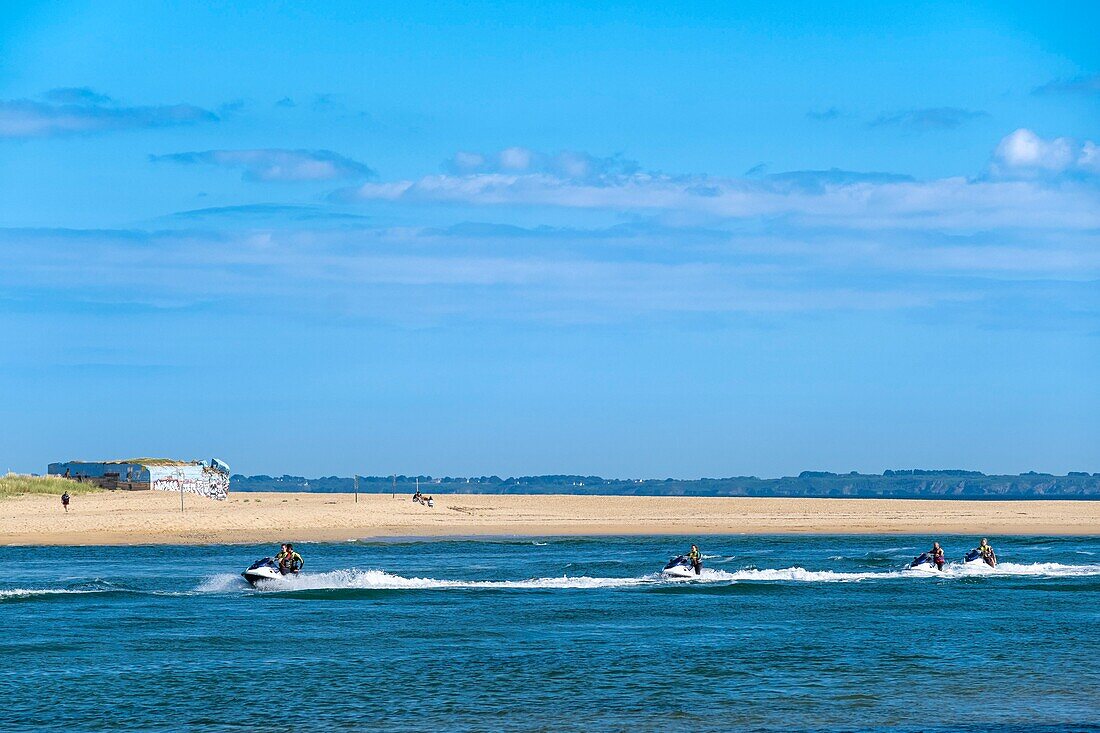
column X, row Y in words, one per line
column 76, row 95
column 266, row 214
column 820, row 181
column 487, row 271
column 824, row 115
column 1085, row 84
column 79, row 110
column 274, row 164
column 853, row 200
column 567, row 164
column 930, row 118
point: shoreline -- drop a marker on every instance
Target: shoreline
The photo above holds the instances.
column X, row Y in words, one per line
column 153, row 517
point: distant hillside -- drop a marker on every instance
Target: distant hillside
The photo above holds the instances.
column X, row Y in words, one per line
column 912, row 483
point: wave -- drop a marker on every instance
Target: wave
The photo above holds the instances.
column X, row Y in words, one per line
column 1051, row 569
column 6, row 593
column 221, row 583
column 796, row 574
column 91, row 586
column 1008, row 570
column 382, row 580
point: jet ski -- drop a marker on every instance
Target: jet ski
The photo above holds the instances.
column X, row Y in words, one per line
column 923, row 563
column 974, row 559
column 679, row 567
column 263, row 570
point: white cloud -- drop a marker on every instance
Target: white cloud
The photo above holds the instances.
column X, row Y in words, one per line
column 277, row 164
column 1025, row 153
column 515, row 159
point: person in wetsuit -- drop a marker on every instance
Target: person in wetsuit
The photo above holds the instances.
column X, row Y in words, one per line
column 936, row 553
column 987, row 553
column 696, row 559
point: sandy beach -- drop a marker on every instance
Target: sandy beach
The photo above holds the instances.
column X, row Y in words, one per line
column 148, row 517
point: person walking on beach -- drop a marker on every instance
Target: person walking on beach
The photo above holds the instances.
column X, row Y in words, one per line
column 936, row 553
column 65, row 501
column 696, row 559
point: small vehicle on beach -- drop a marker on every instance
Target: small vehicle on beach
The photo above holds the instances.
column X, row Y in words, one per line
column 679, row 567
column 265, row 569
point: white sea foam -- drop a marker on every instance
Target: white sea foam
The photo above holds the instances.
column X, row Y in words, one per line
column 222, row 582
column 26, row 592
column 382, row 580
column 1008, row 569
column 796, row 574
column 1050, row 569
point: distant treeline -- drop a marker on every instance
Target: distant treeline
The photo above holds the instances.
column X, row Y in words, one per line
column 909, row 483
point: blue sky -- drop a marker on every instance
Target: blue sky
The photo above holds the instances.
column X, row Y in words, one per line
column 612, row 238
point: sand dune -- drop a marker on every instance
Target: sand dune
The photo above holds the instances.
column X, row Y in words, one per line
column 154, row 517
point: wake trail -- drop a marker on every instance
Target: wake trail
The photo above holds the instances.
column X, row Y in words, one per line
column 382, row 580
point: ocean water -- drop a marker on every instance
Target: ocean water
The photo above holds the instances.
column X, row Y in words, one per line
column 780, row 633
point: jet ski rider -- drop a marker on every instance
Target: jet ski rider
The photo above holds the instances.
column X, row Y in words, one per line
column 288, row 560
column 936, row 553
column 986, row 553
column 696, row 560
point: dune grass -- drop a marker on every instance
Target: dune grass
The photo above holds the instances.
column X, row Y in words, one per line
column 16, row 484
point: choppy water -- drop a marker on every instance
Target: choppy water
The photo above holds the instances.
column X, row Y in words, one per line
column 808, row 633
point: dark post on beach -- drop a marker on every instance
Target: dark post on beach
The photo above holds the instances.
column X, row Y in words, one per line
column 356, row 488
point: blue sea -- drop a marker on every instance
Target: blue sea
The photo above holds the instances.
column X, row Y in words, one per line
column 780, row 633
